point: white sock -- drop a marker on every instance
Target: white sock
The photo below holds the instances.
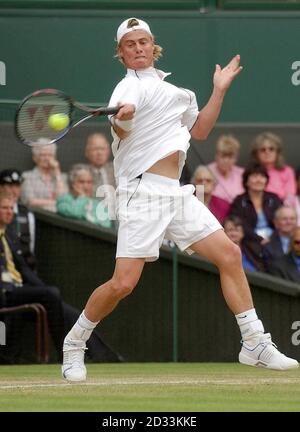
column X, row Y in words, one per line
column 82, row 329
column 250, row 325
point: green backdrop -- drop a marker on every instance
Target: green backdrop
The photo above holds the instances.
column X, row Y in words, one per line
column 73, row 50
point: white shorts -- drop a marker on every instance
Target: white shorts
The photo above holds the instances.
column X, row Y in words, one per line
column 154, row 207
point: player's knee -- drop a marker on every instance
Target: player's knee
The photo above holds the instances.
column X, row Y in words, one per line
column 231, row 256
column 122, row 287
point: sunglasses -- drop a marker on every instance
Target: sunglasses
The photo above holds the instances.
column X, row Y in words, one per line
column 266, row 149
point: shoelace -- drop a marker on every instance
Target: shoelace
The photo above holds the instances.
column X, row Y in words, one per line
column 74, row 356
column 267, row 340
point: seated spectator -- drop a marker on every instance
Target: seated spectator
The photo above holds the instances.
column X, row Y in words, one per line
column 23, row 223
column 45, row 182
column 267, row 150
column 285, row 221
column 233, row 227
column 225, row 170
column 97, row 153
column 294, row 200
column 19, row 285
column 288, row 266
column 256, row 208
column 79, row 204
column 219, row 207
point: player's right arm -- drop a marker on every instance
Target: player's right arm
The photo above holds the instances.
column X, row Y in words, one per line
column 129, row 94
column 122, row 122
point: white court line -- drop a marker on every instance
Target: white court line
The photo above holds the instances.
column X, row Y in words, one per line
column 257, row 381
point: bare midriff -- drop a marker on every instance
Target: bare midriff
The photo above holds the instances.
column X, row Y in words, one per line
column 167, row 166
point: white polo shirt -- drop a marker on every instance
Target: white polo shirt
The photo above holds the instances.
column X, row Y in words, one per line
column 164, row 115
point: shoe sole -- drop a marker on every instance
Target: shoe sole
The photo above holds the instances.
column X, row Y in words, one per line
column 256, row 363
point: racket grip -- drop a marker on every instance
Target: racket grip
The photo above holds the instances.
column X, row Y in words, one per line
column 110, row 110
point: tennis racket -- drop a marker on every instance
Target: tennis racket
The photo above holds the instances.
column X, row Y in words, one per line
column 35, row 114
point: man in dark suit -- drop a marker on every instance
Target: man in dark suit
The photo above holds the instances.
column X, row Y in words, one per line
column 285, row 221
column 288, row 266
column 19, row 285
column 23, row 223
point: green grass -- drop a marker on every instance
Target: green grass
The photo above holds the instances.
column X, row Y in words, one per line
column 160, row 387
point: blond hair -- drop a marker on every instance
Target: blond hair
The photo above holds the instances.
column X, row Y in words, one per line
column 228, row 144
column 259, row 141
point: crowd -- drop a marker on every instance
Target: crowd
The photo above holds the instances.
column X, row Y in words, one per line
column 72, row 195
column 258, row 206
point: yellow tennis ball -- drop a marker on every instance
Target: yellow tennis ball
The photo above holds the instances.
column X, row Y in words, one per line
column 58, row 121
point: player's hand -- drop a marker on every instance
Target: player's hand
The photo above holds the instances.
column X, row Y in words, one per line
column 126, row 112
column 224, row 77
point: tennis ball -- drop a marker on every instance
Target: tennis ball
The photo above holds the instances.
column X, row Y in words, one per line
column 58, row 121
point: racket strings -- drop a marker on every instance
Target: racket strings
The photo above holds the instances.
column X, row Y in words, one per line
column 33, row 119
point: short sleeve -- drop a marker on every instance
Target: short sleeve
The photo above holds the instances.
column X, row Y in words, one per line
column 190, row 116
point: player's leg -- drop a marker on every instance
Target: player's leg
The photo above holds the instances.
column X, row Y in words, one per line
column 226, row 255
column 258, row 348
column 100, row 304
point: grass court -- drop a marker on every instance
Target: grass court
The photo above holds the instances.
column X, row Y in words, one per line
column 134, row 387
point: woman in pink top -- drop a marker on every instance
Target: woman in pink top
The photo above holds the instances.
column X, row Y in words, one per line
column 227, row 174
column 267, row 150
column 294, row 200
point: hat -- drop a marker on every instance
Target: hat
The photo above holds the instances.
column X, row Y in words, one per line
column 127, row 27
column 10, row 176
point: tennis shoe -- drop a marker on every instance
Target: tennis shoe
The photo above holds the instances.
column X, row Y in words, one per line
column 265, row 354
column 73, row 368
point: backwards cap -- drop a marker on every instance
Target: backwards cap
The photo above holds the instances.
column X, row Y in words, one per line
column 127, row 27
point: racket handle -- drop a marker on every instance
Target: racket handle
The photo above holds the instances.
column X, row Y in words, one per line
column 109, row 110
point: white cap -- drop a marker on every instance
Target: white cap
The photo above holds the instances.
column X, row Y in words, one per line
column 123, row 28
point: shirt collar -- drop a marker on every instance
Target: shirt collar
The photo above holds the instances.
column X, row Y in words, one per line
column 148, row 72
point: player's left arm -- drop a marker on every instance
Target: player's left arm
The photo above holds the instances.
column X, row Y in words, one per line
column 208, row 116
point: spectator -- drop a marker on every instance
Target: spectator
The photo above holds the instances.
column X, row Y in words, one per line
column 267, row 150
column 97, row 152
column 288, row 266
column 256, row 208
column 294, row 200
column 23, row 223
column 233, row 227
column 45, row 182
column 219, row 207
column 79, row 204
column 19, row 285
column 285, row 221
column 225, row 170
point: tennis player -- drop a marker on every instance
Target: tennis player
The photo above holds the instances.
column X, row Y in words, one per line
column 151, row 137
